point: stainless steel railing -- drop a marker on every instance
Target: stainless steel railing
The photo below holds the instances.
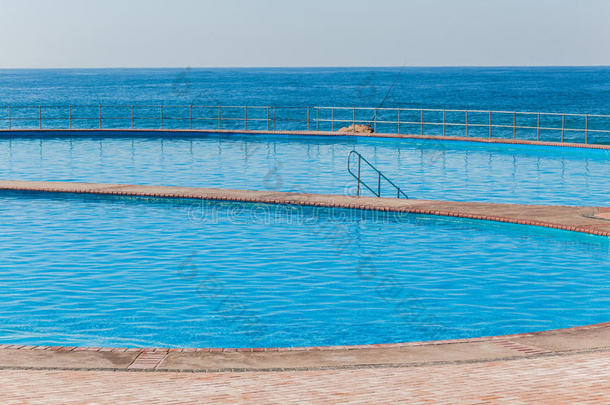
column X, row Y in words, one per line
column 559, row 127
column 379, row 176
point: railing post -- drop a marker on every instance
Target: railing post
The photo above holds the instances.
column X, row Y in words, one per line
column 399, row 121
column 490, row 127
column 538, row 128
column 358, row 182
column 219, row 115
column 375, row 121
column 443, row 122
column 514, row 125
column 39, row 117
column 132, row 117
column 563, row 125
column 317, row 118
column 307, row 118
column 267, row 118
column 246, row 117
column 100, row 111
column 587, row 128
column 421, row 122
column 161, row 116
column 9, row 118
column 378, row 183
column 354, row 120
column 466, row 123
column 274, row 117
column 332, row 119
column 70, row 117
column 191, row 116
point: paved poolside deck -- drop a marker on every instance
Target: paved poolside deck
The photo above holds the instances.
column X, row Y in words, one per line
column 561, row 366
column 554, row 367
column 571, row 379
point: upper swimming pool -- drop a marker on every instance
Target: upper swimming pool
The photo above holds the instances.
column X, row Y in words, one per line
column 124, row 271
column 425, row 169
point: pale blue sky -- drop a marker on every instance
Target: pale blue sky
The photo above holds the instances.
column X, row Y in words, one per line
column 203, row 33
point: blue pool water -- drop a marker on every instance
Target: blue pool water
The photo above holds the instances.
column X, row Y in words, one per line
column 124, row 271
column 424, row 169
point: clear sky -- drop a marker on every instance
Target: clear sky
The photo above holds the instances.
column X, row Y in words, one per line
column 204, row 33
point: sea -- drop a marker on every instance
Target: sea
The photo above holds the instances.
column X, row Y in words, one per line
column 583, row 90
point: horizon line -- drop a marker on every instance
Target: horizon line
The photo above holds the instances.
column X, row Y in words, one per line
column 300, row 67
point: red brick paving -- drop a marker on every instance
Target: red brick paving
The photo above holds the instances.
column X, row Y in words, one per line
column 580, row 378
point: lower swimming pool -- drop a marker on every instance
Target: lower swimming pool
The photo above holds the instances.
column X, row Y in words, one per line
column 131, row 271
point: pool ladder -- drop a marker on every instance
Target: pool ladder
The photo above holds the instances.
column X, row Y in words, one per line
column 354, row 155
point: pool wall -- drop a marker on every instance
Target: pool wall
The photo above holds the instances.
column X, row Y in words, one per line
column 8, row 133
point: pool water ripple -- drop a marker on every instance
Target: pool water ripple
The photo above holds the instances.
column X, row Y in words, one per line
column 127, row 271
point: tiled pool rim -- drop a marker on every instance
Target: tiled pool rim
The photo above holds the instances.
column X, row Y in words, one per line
column 577, row 340
column 592, row 220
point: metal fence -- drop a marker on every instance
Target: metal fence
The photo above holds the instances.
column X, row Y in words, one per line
column 556, row 127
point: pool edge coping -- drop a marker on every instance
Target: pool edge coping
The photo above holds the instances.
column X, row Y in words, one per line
column 599, row 225
column 152, row 359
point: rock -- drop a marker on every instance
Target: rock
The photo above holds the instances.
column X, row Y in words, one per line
column 358, row 129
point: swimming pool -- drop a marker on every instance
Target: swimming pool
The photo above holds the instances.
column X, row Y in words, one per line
column 425, row 169
column 93, row 270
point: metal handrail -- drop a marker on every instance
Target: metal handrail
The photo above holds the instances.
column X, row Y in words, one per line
column 415, row 121
column 380, row 176
column 296, row 107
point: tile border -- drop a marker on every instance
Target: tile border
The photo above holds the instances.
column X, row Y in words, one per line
column 148, row 354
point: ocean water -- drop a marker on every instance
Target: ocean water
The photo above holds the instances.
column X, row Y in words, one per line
column 124, row 271
column 545, row 89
